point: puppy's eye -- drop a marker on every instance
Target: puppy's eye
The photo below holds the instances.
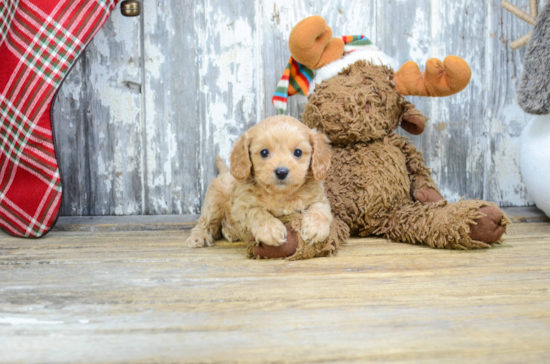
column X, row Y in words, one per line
column 298, row 153
column 264, row 153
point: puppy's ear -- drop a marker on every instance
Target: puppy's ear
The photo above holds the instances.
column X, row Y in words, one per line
column 240, row 159
column 320, row 158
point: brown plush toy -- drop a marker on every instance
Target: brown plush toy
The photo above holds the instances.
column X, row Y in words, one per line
column 378, row 183
column 295, row 247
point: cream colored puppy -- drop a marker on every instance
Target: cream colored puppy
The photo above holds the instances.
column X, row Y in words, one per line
column 277, row 168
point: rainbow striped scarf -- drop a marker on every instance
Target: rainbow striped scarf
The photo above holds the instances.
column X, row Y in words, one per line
column 297, row 77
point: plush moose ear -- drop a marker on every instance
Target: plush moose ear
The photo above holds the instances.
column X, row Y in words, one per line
column 311, row 43
column 241, row 165
column 412, row 120
column 320, row 158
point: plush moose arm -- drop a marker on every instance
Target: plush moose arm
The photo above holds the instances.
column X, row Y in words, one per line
column 423, row 187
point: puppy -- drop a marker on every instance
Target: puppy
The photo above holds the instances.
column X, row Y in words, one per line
column 277, row 168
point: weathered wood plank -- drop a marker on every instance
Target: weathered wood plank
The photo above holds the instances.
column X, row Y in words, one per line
column 456, row 143
column 525, row 214
column 70, row 124
column 134, row 223
column 505, row 119
column 186, row 222
column 97, row 122
column 142, row 297
column 115, row 120
column 230, row 85
column 172, row 116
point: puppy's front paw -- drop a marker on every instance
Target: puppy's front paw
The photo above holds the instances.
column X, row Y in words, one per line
column 314, row 229
column 271, row 233
column 199, row 239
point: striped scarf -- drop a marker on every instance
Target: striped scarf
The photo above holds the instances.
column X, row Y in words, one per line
column 297, row 77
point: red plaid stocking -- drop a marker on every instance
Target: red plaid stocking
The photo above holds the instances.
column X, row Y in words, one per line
column 39, row 42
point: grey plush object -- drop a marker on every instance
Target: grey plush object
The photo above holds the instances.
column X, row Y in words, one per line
column 534, row 89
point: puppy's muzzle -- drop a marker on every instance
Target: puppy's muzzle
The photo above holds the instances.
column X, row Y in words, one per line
column 281, row 173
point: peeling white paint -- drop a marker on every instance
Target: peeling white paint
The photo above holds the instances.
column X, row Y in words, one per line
column 228, row 53
column 171, row 146
column 218, row 113
column 155, row 59
column 436, row 27
column 416, row 38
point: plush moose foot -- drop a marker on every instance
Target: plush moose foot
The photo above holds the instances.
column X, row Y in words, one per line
column 427, row 195
column 490, row 228
column 281, row 251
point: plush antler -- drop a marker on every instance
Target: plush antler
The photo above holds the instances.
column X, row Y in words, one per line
column 312, row 45
column 529, row 18
column 440, row 78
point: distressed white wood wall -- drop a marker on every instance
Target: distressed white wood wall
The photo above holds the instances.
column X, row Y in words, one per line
column 154, row 99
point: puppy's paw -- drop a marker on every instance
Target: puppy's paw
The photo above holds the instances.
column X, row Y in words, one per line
column 229, row 234
column 199, row 239
column 271, row 233
column 314, row 229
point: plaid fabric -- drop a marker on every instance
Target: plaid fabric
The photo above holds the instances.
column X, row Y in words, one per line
column 297, row 77
column 39, row 42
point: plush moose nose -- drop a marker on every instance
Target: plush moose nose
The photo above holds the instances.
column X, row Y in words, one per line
column 281, row 173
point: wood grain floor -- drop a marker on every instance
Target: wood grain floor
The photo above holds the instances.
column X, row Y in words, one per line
column 138, row 296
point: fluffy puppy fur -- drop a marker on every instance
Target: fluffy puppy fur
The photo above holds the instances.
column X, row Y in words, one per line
column 244, row 203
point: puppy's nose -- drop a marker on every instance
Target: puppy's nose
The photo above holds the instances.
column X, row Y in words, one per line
column 281, row 173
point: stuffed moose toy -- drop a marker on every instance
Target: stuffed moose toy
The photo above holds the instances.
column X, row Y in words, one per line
column 378, row 183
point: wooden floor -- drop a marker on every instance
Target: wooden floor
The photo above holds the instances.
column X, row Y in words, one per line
column 138, row 296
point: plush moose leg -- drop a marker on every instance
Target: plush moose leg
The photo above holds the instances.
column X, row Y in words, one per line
column 490, row 222
column 471, row 224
